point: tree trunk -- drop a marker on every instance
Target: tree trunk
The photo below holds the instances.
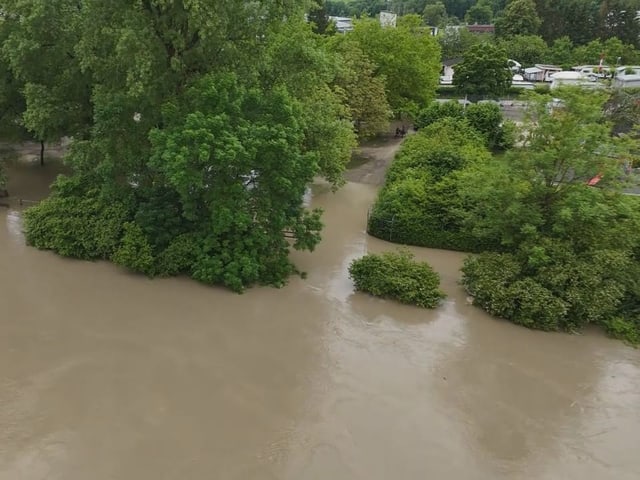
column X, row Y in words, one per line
column 42, row 153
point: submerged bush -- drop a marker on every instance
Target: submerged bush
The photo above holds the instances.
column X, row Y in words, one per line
column 420, row 203
column 398, row 276
column 87, row 227
column 568, row 294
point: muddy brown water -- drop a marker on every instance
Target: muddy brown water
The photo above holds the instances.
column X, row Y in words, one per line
column 107, row 375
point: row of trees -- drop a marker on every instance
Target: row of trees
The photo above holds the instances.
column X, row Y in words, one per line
column 197, row 125
column 581, row 21
column 532, row 49
column 560, row 238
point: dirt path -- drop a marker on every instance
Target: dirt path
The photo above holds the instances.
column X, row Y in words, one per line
column 376, row 159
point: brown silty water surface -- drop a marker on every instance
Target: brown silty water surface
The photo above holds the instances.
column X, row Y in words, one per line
column 108, row 375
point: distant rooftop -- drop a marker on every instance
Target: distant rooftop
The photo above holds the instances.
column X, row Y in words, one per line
column 481, row 28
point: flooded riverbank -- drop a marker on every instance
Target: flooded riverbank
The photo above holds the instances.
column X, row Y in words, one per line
column 107, row 375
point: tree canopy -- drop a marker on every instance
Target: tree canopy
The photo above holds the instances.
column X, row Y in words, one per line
column 558, row 236
column 520, row 17
column 483, row 71
column 197, row 127
column 570, row 234
column 407, row 57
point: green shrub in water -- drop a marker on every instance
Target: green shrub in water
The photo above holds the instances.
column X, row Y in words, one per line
column 396, row 275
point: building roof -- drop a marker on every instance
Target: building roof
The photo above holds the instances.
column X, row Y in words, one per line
column 566, row 75
column 481, row 28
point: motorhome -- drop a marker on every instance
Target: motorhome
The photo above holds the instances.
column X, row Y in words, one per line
column 574, row 78
column 626, row 77
column 593, row 71
column 540, row 72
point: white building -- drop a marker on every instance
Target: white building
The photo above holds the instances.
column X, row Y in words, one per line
column 388, row 19
column 343, row 24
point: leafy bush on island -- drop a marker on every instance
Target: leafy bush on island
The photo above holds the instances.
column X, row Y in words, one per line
column 419, row 203
column 396, row 275
column 570, row 249
column 560, row 241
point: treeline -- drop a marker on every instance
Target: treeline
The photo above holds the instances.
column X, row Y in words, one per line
column 581, row 21
column 532, row 49
column 197, row 125
column 558, row 239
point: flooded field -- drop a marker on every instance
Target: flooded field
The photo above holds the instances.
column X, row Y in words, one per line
column 106, row 375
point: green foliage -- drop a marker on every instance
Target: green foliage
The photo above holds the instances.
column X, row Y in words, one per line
column 559, row 254
column 526, row 49
column 134, row 250
column 420, row 203
column 361, row 91
column 497, row 285
column 40, row 38
column 303, row 65
column 3, row 176
column 480, row 13
column 572, row 246
column 434, row 14
column 436, row 111
column 398, row 276
column 561, row 52
column 408, row 59
column 485, row 118
column 519, row 18
column 483, row 71
column 623, row 110
column 207, row 120
column 618, row 18
column 85, row 226
column 180, row 255
column 566, row 295
column 627, row 329
column 454, row 42
column 319, row 17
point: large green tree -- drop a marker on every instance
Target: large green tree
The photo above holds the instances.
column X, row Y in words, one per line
column 556, row 206
column 481, row 13
column 319, row 17
column 456, row 41
column 39, row 48
column 483, row 71
column 435, row 14
column 619, row 18
column 519, row 18
column 526, row 49
column 407, row 57
column 362, row 92
column 208, row 121
column 576, row 19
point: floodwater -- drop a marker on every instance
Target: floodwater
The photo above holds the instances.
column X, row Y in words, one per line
column 106, row 375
